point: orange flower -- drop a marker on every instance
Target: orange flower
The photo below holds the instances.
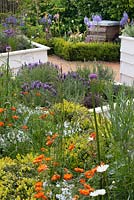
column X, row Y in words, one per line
column 68, row 177
column 38, row 189
column 49, row 142
column 42, row 167
column 43, row 116
column 48, row 159
column 87, row 186
column 51, row 113
column 1, row 124
column 40, row 195
column 38, row 184
column 55, row 136
column 84, row 192
column 39, row 159
column 93, row 135
column 77, row 169
column 56, row 164
column 13, row 108
column 55, row 177
column 24, row 127
column 42, row 149
column 25, row 93
column 38, row 94
column 10, row 124
column 15, row 117
column 90, row 173
column 71, row 147
column 2, row 110
column 75, row 197
column 82, row 180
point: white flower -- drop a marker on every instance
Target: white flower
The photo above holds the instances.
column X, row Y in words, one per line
column 98, row 192
column 102, row 168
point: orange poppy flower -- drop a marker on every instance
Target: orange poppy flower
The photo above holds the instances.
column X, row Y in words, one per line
column 42, row 149
column 56, row 164
column 43, row 116
column 24, row 127
column 1, row 124
column 75, row 197
column 55, row 177
column 39, row 159
column 48, row 159
column 38, row 188
column 38, row 184
column 84, row 192
column 77, row 169
column 82, row 181
column 13, row 108
column 93, row 135
column 51, row 113
column 68, row 177
column 40, row 195
column 15, row 117
column 55, row 136
column 25, row 93
column 71, row 147
column 10, row 124
column 42, row 167
column 49, row 142
column 87, row 186
column 38, row 94
column 2, row 110
column 90, row 173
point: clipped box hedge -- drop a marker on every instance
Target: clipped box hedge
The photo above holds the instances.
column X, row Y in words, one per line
column 81, row 51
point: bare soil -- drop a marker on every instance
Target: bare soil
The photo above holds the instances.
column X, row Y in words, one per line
column 72, row 65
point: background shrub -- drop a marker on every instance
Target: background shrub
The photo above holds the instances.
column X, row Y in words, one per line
column 86, row 51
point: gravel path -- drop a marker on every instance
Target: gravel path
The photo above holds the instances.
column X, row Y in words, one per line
column 72, row 65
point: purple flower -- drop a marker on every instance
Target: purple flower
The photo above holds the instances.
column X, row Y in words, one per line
column 124, row 19
column 9, row 32
column 11, row 20
column 86, row 20
column 96, row 18
column 93, row 76
column 43, row 20
column 8, row 48
column 56, row 16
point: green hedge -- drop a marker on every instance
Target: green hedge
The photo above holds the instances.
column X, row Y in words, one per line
column 103, row 51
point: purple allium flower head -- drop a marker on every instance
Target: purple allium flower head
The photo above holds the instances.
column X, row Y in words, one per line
column 93, row 76
column 96, row 18
column 8, row 48
column 124, row 19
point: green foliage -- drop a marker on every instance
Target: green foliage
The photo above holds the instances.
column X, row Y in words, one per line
column 19, row 175
column 128, row 30
column 86, row 51
column 70, row 109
